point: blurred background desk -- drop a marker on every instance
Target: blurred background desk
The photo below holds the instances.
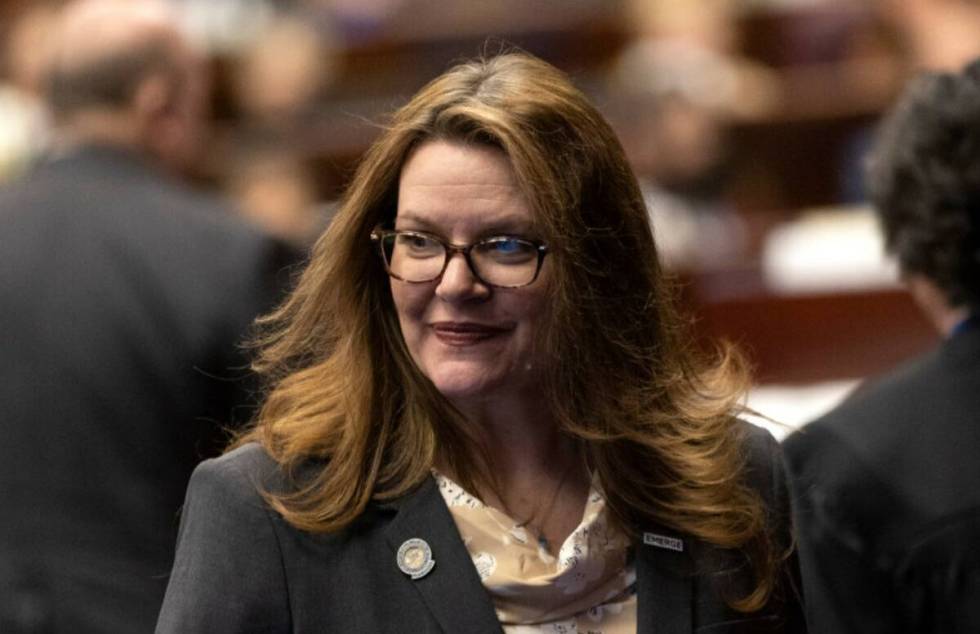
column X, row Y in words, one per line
column 809, row 350
column 801, row 339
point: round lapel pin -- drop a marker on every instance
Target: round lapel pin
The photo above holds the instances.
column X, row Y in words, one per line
column 415, row 558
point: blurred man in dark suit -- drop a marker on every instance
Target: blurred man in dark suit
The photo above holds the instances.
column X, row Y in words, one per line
column 123, row 295
column 888, row 485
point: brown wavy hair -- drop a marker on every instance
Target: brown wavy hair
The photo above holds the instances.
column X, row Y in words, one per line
column 653, row 420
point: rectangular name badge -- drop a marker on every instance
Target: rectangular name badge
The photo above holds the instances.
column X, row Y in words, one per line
column 663, row 541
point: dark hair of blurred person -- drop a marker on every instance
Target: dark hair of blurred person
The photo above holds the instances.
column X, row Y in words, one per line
column 925, row 184
column 123, row 294
column 886, row 485
column 527, row 396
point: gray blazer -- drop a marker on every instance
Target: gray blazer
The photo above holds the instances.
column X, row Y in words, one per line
column 241, row 568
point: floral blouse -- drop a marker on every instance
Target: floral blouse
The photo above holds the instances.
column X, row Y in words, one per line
column 590, row 586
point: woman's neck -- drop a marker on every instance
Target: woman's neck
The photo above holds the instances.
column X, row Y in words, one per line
column 540, row 477
column 518, row 433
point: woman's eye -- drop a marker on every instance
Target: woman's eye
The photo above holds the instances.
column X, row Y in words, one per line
column 416, row 242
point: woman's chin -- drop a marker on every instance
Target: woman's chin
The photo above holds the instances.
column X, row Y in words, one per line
column 458, row 382
column 462, row 382
column 456, row 389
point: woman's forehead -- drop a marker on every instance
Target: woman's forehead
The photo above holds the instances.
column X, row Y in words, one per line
column 448, row 179
column 438, row 161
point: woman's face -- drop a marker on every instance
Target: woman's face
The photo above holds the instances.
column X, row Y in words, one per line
column 471, row 340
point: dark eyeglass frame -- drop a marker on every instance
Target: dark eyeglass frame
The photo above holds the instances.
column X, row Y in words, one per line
column 379, row 234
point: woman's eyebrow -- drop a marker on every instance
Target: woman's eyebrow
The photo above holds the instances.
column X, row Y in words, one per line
column 506, row 224
column 412, row 218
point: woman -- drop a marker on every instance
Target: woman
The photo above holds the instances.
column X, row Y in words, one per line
column 480, row 413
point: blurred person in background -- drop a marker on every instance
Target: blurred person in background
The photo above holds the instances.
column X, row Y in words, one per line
column 277, row 82
column 686, row 83
column 123, row 295
column 279, row 75
column 888, row 485
column 481, row 414
column 932, row 35
column 275, row 189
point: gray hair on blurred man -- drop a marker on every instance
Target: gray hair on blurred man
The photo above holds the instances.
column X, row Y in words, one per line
column 121, row 72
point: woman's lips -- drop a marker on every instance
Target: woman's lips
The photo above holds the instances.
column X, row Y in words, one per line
column 460, row 334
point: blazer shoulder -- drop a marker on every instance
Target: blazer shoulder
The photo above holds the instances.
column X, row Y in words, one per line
column 242, row 473
column 229, row 574
column 248, row 457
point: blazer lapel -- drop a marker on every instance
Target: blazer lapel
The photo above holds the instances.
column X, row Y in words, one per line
column 664, row 584
column 452, row 590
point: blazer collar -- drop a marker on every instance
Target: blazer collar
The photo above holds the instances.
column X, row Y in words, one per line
column 664, row 583
column 452, row 590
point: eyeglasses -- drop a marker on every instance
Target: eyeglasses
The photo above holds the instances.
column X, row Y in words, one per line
column 500, row 261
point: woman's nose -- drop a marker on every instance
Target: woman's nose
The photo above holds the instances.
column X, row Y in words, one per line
column 459, row 283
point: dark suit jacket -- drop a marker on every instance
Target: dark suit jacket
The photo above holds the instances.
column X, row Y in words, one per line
column 888, row 501
column 241, row 568
column 122, row 297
